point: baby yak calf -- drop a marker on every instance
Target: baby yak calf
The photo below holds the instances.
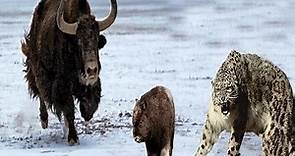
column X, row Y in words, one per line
column 154, row 121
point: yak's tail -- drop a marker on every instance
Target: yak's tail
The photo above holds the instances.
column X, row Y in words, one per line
column 25, row 48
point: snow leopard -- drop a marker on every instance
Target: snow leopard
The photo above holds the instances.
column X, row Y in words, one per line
column 250, row 94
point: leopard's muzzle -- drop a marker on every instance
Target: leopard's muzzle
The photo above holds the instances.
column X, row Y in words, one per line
column 225, row 108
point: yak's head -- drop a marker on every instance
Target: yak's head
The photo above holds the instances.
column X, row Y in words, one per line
column 87, row 31
column 141, row 123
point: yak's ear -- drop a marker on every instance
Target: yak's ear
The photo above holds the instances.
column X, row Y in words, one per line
column 101, row 41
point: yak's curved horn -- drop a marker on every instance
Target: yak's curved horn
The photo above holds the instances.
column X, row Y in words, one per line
column 109, row 20
column 68, row 28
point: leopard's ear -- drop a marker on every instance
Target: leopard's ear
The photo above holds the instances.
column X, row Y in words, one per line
column 212, row 82
column 236, row 82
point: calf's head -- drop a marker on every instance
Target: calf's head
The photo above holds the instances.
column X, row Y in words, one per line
column 87, row 31
column 141, row 123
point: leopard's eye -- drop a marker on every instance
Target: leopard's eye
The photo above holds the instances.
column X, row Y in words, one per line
column 217, row 88
column 229, row 89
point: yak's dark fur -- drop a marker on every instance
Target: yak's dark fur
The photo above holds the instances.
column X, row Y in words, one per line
column 54, row 60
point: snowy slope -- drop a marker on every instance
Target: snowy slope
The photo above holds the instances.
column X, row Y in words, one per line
column 179, row 44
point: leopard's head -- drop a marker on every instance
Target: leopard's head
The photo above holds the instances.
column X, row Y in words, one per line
column 225, row 89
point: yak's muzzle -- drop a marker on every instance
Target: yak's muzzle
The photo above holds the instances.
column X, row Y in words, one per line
column 91, row 73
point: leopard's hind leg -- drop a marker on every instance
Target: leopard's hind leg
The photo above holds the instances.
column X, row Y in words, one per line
column 274, row 141
column 278, row 135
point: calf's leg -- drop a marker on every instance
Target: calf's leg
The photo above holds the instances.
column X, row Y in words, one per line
column 166, row 150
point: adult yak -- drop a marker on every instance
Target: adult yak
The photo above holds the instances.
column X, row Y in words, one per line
column 62, row 61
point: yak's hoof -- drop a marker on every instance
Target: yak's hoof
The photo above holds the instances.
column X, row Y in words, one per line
column 73, row 142
column 44, row 124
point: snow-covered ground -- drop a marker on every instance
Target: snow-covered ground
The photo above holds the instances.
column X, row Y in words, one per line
column 176, row 43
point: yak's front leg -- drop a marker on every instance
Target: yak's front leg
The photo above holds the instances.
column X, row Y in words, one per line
column 209, row 137
column 64, row 105
column 69, row 116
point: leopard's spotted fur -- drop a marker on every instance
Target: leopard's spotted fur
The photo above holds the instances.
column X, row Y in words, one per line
column 250, row 94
